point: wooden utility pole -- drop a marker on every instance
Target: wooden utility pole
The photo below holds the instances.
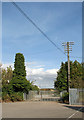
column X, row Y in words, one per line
column 67, row 48
column 68, row 67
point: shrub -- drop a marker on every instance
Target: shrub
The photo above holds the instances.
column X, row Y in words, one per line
column 16, row 96
column 5, row 97
column 65, row 97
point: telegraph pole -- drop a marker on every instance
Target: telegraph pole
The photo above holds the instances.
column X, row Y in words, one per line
column 67, row 49
column 68, row 67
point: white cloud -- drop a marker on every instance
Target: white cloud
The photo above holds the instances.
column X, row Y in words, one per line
column 37, row 71
column 41, row 77
column 52, row 71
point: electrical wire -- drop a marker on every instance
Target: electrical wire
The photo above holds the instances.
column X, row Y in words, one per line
column 76, row 57
column 27, row 17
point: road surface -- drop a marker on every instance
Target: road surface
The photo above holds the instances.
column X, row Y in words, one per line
column 40, row 110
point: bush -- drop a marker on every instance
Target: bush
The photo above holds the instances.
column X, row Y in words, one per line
column 16, row 96
column 5, row 97
column 65, row 97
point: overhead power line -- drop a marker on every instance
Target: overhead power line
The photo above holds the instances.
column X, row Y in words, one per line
column 76, row 57
column 28, row 18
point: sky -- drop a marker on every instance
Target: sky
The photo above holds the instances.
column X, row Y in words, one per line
column 60, row 21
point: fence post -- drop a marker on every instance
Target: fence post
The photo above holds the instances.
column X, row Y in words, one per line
column 69, row 97
column 24, row 96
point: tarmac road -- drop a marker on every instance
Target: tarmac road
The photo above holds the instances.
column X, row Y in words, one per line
column 0, row 111
column 40, row 110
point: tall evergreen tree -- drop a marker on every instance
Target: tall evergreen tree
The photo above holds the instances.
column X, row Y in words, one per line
column 19, row 65
column 75, row 76
column 19, row 81
column 61, row 82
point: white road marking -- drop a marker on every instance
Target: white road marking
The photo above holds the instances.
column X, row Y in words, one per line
column 74, row 113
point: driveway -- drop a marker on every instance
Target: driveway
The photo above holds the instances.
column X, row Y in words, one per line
column 40, row 110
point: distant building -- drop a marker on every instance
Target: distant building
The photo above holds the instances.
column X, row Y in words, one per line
column 47, row 89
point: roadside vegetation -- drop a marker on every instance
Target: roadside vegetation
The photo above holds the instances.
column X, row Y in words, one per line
column 75, row 78
column 14, row 82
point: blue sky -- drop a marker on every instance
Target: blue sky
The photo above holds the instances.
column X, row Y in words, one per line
column 61, row 21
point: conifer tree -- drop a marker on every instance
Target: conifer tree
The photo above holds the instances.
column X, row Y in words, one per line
column 19, row 65
column 19, row 81
column 75, row 76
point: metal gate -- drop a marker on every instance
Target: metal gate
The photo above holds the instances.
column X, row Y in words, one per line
column 41, row 96
column 76, row 96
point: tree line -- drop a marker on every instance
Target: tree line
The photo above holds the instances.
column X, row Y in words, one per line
column 14, row 82
column 75, row 76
